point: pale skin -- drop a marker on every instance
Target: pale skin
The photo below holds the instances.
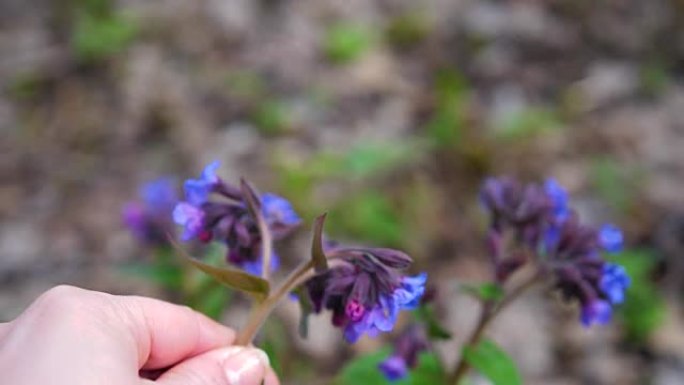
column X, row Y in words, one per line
column 71, row 336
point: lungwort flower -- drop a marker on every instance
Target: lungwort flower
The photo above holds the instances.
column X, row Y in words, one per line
column 547, row 232
column 149, row 219
column 228, row 219
column 407, row 347
column 366, row 290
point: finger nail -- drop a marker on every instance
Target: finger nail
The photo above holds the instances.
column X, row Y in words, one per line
column 245, row 366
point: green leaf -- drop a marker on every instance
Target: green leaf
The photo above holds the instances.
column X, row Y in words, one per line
column 364, row 370
column 434, row 329
column 237, row 279
column 486, row 292
column 320, row 261
column 492, row 362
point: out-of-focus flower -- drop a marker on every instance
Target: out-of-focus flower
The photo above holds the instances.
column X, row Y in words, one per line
column 191, row 218
column 551, row 235
column 610, row 238
column 197, row 190
column 366, row 290
column 228, row 220
column 279, row 214
column 407, row 347
column 394, row 368
column 614, row 282
column 596, row 311
column 149, row 218
column 558, row 197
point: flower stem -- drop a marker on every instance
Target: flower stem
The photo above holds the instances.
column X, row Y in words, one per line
column 489, row 311
column 262, row 310
column 266, row 247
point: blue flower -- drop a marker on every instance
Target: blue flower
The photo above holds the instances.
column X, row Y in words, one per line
column 408, row 295
column 136, row 219
column 596, row 311
column 381, row 318
column 149, row 219
column 610, row 238
column 159, row 195
column 394, row 368
column 614, row 282
column 559, row 199
column 277, row 209
column 255, row 267
column 408, row 346
column 197, row 190
column 190, row 217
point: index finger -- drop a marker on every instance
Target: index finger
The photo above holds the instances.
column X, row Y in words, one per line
column 166, row 334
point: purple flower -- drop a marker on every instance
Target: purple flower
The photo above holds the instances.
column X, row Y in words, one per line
column 277, row 209
column 407, row 347
column 559, row 199
column 596, row 311
column 610, row 238
column 541, row 226
column 380, row 318
column 514, row 204
column 160, row 195
column 228, row 219
column 614, row 282
column 408, row 295
column 191, row 218
column 150, row 218
column 365, row 290
column 197, row 190
column 394, row 368
column 255, row 267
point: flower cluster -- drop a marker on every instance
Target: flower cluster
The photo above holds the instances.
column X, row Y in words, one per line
column 228, row 220
column 149, row 218
column 407, row 347
column 541, row 224
column 365, row 289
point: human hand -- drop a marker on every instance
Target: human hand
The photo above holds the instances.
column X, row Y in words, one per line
column 71, row 336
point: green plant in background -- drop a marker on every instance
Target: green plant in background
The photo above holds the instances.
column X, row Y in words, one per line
column 345, row 42
column 527, row 123
column 100, row 31
column 270, row 117
column 363, row 211
column 616, row 184
column 245, row 85
column 452, row 95
column 654, row 77
column 408, row 30
column 644, row 310
column 369, row 215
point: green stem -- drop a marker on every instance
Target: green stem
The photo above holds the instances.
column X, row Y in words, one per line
column 261, row 311
column 489, row 311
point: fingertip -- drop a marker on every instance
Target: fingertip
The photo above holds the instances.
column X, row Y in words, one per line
column 212, row 333
column 271, row 378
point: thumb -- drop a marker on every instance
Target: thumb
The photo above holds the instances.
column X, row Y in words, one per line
column 235, row 365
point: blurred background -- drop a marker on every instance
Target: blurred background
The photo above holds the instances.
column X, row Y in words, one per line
column 387, row 114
